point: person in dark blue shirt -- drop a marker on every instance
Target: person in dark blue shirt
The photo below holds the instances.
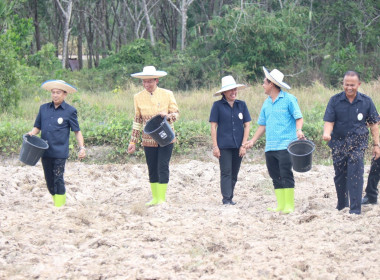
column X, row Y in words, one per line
column 371, row 191
column 230, row 121
column 55, row 120
column 346, row 118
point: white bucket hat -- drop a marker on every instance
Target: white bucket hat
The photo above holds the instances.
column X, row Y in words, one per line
column 149, row 72
column 58, row 84
column 228, row 82
column 275, row 77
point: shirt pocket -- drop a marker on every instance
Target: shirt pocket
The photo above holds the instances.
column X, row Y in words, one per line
column 281, row 109
column 342, row 114
column 60, row 123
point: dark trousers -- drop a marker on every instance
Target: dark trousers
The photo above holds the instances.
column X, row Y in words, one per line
column 157, row 159
column 54, row 168
column 349, row 169
column 371, row 190
column 229, row 163
column 279, row 167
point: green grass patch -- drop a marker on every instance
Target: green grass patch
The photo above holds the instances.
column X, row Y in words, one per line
column 106, row 119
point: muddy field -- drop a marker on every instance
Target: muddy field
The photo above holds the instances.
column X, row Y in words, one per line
column 106, row 232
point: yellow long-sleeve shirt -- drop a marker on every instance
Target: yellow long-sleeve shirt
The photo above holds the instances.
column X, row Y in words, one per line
column 147, row 105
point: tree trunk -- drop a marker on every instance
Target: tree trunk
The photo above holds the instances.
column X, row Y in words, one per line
column 101, row 31
column 123, row 24
column 90, row 43
column 66, row 32
column 184, row 24
column 66, row 29
column 182, row 10
column 148, row 23
column 97, row 48
column 108, row 31
column 55, row 27
column 167, row 24
column 36, row 25
column 137, row 17
column 81, row 32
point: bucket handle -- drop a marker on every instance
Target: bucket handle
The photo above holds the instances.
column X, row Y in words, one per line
column 165, row 118
column 305, row 138
column 27, row 134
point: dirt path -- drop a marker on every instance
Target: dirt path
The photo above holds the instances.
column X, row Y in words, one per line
column 106, row 232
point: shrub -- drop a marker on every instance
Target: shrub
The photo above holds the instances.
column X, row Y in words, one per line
column 45, row 59
column 9, row 91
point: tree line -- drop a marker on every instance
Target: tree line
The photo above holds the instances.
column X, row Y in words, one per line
column 197, row 41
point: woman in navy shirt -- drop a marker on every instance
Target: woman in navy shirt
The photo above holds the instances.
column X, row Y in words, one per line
column 230, row 122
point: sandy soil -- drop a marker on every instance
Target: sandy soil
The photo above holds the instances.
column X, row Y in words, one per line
column 106, row 232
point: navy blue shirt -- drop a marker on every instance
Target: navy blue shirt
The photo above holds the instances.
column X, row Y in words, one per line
column 350, row 119
column 55, row 125
column 230, row 120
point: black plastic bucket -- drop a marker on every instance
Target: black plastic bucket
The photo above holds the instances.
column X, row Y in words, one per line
column 159, row 129
column 301, row 152
column 32, row 149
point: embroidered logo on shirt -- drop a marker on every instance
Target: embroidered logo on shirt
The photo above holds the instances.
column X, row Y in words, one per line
column 60, row 120
column 360, row 116
column 240, row 116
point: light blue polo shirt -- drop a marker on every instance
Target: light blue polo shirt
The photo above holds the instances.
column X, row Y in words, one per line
column 279, row 118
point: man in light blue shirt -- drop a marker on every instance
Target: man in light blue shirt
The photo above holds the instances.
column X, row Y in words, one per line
column 281, row 120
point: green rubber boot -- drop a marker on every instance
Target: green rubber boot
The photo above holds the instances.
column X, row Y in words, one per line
column 53, row 196
column 153, row 187
column 280, row 196
column 161, row 190
column 289, row 201
column 59, row 200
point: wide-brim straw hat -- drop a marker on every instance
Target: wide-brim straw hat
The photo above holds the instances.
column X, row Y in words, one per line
column 276, row 77
column 228, row 82
column 149, row 72
column 58, row 84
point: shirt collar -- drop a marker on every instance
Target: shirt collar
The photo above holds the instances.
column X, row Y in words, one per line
column 224, row 100
column 358, row 97
column 63, row 105
column 153, row 93
column 280, row 95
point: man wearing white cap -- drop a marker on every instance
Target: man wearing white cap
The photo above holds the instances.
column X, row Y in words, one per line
column 149, row 103
column 55, row 120
column 281, row 121
column 230, row 120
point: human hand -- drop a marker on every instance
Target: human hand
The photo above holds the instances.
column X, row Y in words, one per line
column 82, row 153
column 376, row 152
column 300, row 134
column 249, row 144
column 131, row 148
column 163, row 114
column 216, row 152
column 242, row 151
column 326, row 137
